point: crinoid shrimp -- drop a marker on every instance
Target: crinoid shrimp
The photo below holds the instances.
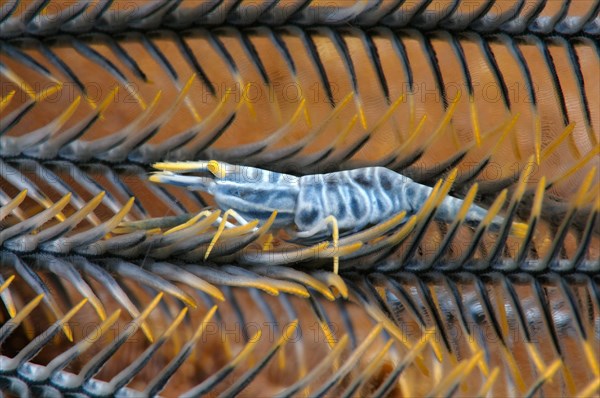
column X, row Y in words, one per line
column 314, row 206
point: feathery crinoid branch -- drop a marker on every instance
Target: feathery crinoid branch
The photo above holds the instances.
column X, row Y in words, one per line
column 305, row 94
column 393, row 331
column 95, row 214
column 40, row 18
column 113, row 285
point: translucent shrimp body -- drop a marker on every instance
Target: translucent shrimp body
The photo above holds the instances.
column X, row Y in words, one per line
column 355, row 198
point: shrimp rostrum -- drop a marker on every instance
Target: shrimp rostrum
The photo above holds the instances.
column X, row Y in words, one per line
column 313, row 206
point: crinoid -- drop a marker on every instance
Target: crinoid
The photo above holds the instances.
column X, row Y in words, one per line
column 111, row 284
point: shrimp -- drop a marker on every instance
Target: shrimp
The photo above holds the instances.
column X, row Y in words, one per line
column 307, row 206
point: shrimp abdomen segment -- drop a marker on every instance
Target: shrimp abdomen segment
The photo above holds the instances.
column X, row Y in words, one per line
column 355, row 198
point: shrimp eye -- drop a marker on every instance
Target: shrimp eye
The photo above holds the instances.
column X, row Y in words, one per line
column 216, row 169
